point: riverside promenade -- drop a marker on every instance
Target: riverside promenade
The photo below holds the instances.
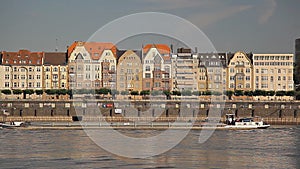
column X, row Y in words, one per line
column 272, row 112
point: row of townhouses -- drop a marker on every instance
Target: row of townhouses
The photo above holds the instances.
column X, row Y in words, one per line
column 95, row 65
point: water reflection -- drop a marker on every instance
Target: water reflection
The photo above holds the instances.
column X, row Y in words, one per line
column 271, row 148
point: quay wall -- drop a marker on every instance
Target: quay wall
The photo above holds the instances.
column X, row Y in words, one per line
column 272, row 110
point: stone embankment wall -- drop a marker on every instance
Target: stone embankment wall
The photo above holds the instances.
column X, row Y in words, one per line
column 274, row 111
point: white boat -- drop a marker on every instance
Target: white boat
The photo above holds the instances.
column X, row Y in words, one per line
column 244, row 123
column 13, row 124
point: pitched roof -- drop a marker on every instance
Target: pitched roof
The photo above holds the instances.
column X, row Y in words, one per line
column 22, row 57
column 163, row 49
column 95, row 49
column 55, row 58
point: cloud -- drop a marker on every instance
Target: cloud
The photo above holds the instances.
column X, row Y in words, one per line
column 205, row 19
column 268, row 11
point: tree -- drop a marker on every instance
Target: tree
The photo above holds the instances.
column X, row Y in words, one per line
column 177, row 93
column 62, row 91
column 6, row 91
column 17, row 91
column 167, row 93
column 104, row 91
column 156, row 92
column 239, row 93
column 28, row 91
column 216, row 93
column 290, row 93
column 207, row 93
column 186, row 93
column 114, row 92
column 50, row 91
column 124, row 92
column 145, row 92
column 259, row 93
column 39, row 92
column 196, row 93
column 270, row 93
column 280, row 93
column 134, row 93
column 248, row 93
column 229, row 94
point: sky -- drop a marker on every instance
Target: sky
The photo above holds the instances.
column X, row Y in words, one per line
column 258, row 26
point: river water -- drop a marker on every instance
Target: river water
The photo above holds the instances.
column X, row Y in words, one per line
column 276, row 147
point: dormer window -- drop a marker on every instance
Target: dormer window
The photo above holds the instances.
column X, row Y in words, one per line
column 19, row 56
column 26, row 56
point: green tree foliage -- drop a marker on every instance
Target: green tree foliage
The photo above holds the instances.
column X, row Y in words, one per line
column 248, row 93
column 145, row 92
column 156, row 92
column 290, row 93
column 28, row 91
column 239, row 93
column 17, row 91
column 280, row 93
column 6, row 91
column 50, row 92
column 62, row 92
column 186, row 93
column 229, row 94
column 196, row 93
column 124, row 92
column 134, row 93
column 104, row 91
column 39, row 92
column 176, row 93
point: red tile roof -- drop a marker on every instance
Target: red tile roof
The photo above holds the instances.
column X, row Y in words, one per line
column 95, row 49
column 163, row 49
column 55, row 58
column 22, row 57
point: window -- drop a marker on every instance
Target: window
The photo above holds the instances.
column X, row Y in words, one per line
column 147, row 84
column 62, row 84
column 148, row 75
column 38, row 69
column 6, row 84
column 231, row 85
column 240, row 78
column 247, row 85
column 248, row 70
column 279, row 70
column 6, row 76
column 147, row 68
column 7, row 69
column 16, row 84
column 15, row 69
column 279, row 77
column 271, row 78
column 15, row 76
column 157, row 76
column 231, row 77
column 156, row 84
column 38, row 76
column 248, row 78
column 29, row 76
column 30, row 84
column 87, row 67
column 47, row 76
column 38, row 84
column 55, row 69
column 257, row 70
column 47, row 69
column 30, row 69
column 231, row 70
column 23, row 77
